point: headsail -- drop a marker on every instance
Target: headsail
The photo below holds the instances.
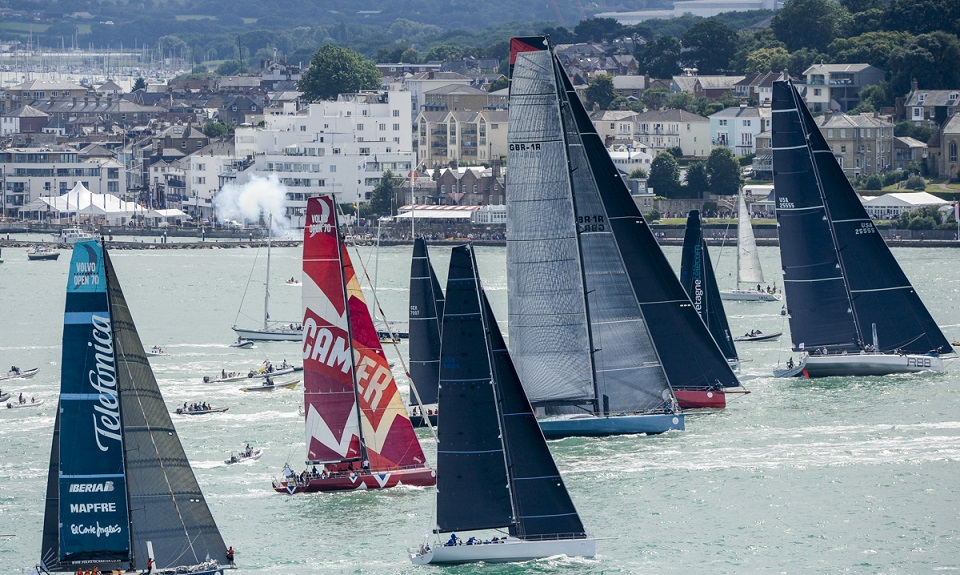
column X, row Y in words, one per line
column 426, row 311
column 748, row 258
column 700, row 283
column 584, row 270
column 841, row 280
column 132, row 460
column 481, row 386
column 353, row 407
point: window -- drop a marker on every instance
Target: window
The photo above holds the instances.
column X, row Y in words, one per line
column 723, row 122
column 918, row 113
column 843, row 133
column 303, row 128
column 364, row 151
column 333, row 168
column 396, row 127
column 816, row 91
column 382, row 127
column 746, row 123
column 359, row 127
column 612, row 125
column 336, row 151
column 953, row 151
column 843, row 149
column 830, row 133
column 396, row 113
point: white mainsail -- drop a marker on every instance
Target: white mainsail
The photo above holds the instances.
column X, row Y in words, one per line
column 748, row 259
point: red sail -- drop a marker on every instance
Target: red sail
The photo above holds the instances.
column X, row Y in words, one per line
column 331, row 360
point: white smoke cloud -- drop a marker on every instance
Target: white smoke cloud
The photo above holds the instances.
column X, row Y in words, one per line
column 261, row 197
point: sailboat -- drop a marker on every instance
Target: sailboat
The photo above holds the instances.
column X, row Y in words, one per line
column 426, row 310
column 270, row 330
column 494, row 468
column 120, row 490
column 749, row 271
column 357, row 428
column 852, row 310
column 601, row 331
column 700, row 283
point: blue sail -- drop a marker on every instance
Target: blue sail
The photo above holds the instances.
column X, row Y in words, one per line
column 92, row 486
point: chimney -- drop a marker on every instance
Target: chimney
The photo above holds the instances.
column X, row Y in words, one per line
column 913, row 85
column 596, row 106
column 827, row 114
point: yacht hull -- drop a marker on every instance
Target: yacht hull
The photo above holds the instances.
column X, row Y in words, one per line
column 861, row 364
column 376, row 480
column 591, row 426
column 747, row 295
column 284, row 334
column 698, row 398
column 508, row 551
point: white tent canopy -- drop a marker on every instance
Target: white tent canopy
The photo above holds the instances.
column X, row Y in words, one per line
column 82, row 202
column 170, row 214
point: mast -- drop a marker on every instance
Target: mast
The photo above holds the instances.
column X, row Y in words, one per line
column 266, row 285
column 346, row 313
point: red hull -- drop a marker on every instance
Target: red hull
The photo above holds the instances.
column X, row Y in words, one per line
column 375, row 480
column 694, row 398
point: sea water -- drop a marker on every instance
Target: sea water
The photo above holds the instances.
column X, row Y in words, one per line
column 839, row 475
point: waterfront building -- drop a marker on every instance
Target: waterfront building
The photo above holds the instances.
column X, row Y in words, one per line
column 661, row 130
column 468, row 137
column 837, row 86
column 862, row 143
column 737, row 128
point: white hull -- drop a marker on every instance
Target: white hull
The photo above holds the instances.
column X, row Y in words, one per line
column 18, row 405
column 277, row 334
column 861, row 364
column 747, row 295
column 511, row 550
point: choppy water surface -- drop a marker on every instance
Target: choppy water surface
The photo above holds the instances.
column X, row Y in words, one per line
column 841, row 475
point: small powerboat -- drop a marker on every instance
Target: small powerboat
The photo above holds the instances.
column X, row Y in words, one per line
column 757, row 335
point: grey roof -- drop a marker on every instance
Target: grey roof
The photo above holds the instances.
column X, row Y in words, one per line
column 459, row 89
column 611, row 115
column 952, row 126
column 830, row 68
column 742, row 112
column 852, row 121
column 27, row 112
column 908, row 142
column 718, row 82
column 670, row 115
column 934, row 98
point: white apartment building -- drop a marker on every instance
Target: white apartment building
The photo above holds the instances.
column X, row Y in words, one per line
column 30, row 173
column 201, row 171
column 737, row 128
column 661, row 130
column 340, row 147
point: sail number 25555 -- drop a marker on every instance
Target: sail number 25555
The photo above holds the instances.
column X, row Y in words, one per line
column 866, row 228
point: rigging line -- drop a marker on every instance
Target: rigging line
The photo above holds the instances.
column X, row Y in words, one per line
column 247, row 286
column 146, row 423
column 393, row 340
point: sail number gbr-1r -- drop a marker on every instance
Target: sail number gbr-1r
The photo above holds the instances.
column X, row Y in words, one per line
column 590, row 224
column 532, row 147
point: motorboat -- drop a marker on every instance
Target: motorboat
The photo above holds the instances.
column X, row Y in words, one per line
column 43, row 253
column 71, row 236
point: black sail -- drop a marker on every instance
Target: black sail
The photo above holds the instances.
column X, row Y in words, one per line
column 542, row 503
column 426, row 309
column 472, row 490
column 842, row 282
column 700, row 283
column 50, row 540
column 519, row 485
column 167, row 506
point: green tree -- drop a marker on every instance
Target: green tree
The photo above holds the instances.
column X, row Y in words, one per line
column 873, row 182
column 600, row 91
column 655, row 98
column 698, row 180
column 660, row 58
column 907, row 128
column 764, row 60
column 337, row 70
column 638, row 174
column 443, row 52
column 809, row 23
column 228, row 68
column 217, row 130
column 710, row 46
column 140, row 84
column 597, row 29
column 873, row 48
column 724, row 171
column 931, row 59
column 681, row 101
column 923, row 16
column 665, row 176
column 381, row 199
